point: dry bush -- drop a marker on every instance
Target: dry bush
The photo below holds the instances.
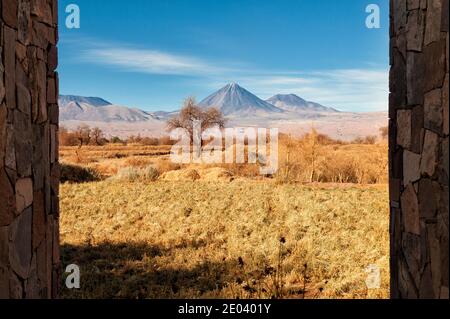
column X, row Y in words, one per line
column 361, row 164
column 138, row 161
column 338, row 170
column 81, row 158
column 134, row 174
column 181, row 175
column 299, row 157
column 150, row 141
column 67, row 138
column 243, row 170
column 106, row 168
column 147, row 141
column 314, row 158
column 165, row 140
column 384, row 132
column 193, row 174
column 216, row 174
column 83, row 135
column 166, row 165
column 117, row 140
column 370, row 139
column 110, row 155
column 246, row 170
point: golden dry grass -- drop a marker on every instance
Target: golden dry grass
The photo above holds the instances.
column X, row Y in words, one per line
column 306, row 160
column 204, row 231
column 109, row 159
column 200, row 239
column 299, row 161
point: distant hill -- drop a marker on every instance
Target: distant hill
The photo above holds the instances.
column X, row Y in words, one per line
column 94, row 101
column 294, row 103
column 97, row 109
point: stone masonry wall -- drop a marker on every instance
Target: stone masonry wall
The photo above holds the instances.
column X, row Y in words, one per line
column 418, row 154
column 419, row 138
column 29, row 234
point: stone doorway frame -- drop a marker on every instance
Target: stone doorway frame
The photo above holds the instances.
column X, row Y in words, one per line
column 418, row 149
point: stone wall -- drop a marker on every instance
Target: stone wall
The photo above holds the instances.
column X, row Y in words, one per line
column 29, row 170
column 29, row 234
column 418, row 154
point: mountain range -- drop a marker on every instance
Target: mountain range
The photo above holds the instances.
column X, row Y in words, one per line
column 78, row 108
column 294, row 103
column 289, row 112
column 233, row 100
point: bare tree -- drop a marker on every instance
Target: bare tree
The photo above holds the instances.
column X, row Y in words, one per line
column 191, row 112
column 67, row 138
column 213, row 117
column 384, row 131
column 97, row 135
column 83, row 135
column 311, row 151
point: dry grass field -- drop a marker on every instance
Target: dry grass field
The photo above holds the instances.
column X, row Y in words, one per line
column 143, row 227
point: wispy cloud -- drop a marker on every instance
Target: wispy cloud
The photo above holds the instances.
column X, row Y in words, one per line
column 357, row 89
column 346, row 89
column 149, row 61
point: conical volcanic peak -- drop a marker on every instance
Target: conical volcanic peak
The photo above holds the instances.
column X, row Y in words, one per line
column 233, row 99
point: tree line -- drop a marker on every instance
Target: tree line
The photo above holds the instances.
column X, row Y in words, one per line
column 84, row 135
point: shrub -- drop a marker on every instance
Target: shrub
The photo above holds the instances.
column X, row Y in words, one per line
column 116, row 140
column 137, row 161
column 193, row 175
column 165, row 165
column 134, row 174
column 150, row 173
column 67, row 138
column 370, row 140
column 384, row 131
column 165, row 140
column 78, row 174
column 149, row 141
column 312, row 159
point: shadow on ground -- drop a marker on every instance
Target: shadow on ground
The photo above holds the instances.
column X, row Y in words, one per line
column 137, row 271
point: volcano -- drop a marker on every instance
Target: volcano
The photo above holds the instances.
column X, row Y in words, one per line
column 234, row 100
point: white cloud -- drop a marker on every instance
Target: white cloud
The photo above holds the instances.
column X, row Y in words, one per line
column 149, row 61
column 345, row 89
column 360, row 90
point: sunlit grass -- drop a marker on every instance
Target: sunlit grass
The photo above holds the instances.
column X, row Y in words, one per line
column 222, row 239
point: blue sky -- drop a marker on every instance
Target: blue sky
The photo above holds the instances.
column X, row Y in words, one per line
column 152, row 54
